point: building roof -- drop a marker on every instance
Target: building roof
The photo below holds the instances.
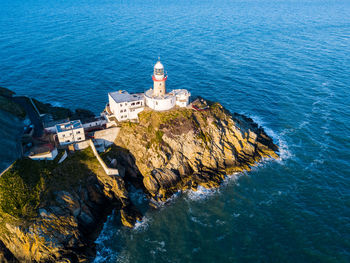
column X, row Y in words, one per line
column 124, row 96
column 42, row 149
column 71, row 125
column 180, row 92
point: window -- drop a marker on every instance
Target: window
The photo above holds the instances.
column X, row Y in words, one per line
column 125, row 110
column 126, row 104
column 121, row 104
column 79, row 131
column 63, row 135
column 159, row 71
column 132, row 104
column 156, row 102
column 121, row 110
column 137, row 102
column 79, row 138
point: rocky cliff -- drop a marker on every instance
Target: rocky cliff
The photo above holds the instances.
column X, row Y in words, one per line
column 185, row 148
column 51, row 212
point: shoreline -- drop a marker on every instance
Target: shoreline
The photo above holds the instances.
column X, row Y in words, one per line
column 163, row 155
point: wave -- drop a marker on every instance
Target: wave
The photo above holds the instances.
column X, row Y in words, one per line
column 104, row 253
column 201, row 193
column 56, row 104
column 142, row 225
column 284, row 151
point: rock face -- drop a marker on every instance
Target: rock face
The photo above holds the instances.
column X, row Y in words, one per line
column 75, row 198
column 52, row 212
column 185, row 148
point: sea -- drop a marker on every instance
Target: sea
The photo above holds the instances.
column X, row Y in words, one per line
column 284, row 63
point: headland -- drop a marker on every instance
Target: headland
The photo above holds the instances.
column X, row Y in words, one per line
column 76, row 168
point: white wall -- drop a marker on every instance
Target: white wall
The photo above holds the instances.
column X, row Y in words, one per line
column 126, row 110
column 81, row 145
column 106, row 136
column 70, row 136
column 161, row 104
column 182, row 97
column 47, row 156
column 94, row 123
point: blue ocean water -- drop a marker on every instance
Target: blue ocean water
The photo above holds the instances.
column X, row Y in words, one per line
column 286, row 64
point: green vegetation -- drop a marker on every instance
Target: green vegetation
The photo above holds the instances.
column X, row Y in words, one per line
column 28, row 184
column 159, row 136
column 20, row 189
column 156, row 118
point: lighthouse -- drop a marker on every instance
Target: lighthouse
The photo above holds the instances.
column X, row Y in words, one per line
column 157, row 98
column 159, row 80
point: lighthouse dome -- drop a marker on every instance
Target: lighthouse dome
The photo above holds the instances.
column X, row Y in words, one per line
column 158, row 65
column 158, row 70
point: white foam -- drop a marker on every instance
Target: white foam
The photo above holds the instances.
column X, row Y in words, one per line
column 219, row 222
column 104, row 253
column 142, row 225
column 56, row 104
column 284, row 152
column 161, row 204
column 197, row 221
column 160, row 246
column 202, row 193
column 236, row 214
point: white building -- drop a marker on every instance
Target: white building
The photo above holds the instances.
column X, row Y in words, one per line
column 43, row 153
column 182, row 97
column 125, row 106
column 158, row 99
column 70, row 132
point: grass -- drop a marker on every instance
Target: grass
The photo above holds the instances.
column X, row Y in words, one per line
column 21, row 187
column 159, row 136
column 29, row 184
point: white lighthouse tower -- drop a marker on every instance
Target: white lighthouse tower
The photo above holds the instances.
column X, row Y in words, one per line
column 158, row 99
column 159, row 80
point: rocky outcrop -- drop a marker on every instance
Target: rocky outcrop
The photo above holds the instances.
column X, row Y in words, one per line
column 75, row 199
column 185, row 148
column 52, row 212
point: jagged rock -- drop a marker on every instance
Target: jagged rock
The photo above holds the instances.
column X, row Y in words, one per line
column 5, row 255
column 184, row 148
column 129, row 216
column 164, row 153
